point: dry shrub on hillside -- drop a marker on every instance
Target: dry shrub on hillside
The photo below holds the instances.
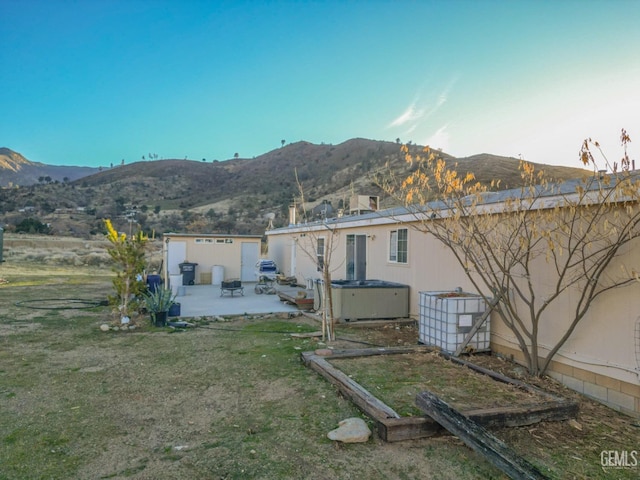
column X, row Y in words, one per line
column 58, row 256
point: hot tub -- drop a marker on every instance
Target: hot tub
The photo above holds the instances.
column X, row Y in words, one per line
column 367, row 299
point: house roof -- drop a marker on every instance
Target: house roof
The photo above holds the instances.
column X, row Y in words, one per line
column 209, row 235
column 547, row 196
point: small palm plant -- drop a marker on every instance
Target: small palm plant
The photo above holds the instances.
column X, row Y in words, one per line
column 158, row 302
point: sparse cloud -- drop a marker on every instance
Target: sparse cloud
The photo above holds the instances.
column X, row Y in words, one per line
column 411, row 114
column 411, row 129
column 442, row 99
column 415, row 115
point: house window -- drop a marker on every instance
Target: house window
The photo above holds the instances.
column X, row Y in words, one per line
column 398, row 245
column 320, row 253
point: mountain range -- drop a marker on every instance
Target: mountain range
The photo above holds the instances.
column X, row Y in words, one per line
column 240, row 196
column 16, row 170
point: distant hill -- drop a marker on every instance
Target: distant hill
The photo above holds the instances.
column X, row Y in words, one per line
column 16, row 170
column 234, row 196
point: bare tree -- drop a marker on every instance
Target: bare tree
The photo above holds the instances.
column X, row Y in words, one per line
column 319, row 243
column 572, row 232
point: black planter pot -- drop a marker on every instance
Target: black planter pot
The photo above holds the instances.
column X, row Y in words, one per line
column 159, row 319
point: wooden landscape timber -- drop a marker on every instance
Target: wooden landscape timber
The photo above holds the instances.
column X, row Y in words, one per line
column 554, row 408
column 392, row 427
column 478, row 438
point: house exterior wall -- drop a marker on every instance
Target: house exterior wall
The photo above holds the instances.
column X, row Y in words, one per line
column 209, row 251
column 429, row 265
column 599, row 359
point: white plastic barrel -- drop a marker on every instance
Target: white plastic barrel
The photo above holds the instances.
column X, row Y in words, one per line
column 217, row 274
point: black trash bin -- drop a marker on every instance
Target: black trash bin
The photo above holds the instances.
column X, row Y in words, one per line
column 188, row 271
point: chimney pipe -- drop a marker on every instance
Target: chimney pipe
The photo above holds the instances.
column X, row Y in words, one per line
column 292, row 215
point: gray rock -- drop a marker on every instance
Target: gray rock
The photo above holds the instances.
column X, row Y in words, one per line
column 351, row 430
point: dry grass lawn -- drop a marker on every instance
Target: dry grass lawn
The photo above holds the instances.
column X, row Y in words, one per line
column 223, row 400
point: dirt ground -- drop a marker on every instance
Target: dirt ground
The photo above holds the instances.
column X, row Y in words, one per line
column 228, row 400
column 596, row 427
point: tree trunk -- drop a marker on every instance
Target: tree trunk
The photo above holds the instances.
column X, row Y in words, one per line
column 327, row 310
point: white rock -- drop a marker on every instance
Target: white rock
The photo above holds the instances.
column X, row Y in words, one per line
column 351, row 430
column 104, row 327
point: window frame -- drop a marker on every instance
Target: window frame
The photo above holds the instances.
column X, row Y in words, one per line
column 399, row 238
column 321, row 246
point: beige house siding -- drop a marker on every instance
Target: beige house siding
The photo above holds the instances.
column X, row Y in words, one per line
column 429, row 265
column 599, row 359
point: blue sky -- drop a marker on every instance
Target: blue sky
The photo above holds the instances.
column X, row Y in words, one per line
column 96, row 81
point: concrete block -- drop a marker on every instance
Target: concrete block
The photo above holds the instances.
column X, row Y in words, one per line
column 585, row 375
column 630, row 389
column 608, row 382
column 561, row 368
column 595, row 391
column 555, row 375
column 624, row 401
column 574, row 384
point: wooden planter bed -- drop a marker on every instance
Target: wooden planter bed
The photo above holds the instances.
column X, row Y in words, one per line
column 523, row 405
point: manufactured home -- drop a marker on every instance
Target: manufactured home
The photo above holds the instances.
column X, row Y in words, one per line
column 601, row 358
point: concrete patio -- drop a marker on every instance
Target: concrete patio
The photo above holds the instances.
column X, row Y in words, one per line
column 205, row 300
